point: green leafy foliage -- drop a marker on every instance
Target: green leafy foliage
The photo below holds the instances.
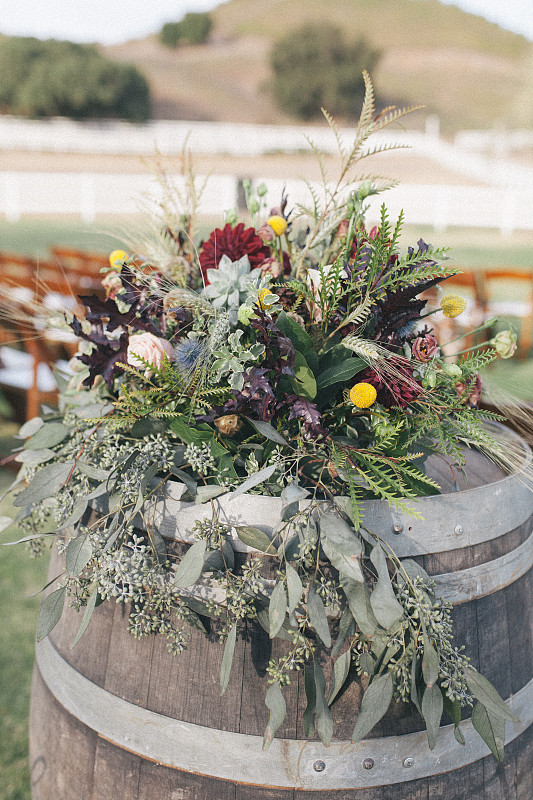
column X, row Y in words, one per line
column 316, row 68
column 55, row 78
column 194, row 28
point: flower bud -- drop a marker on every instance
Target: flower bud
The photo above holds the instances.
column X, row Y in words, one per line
column 504, row 343
column 452, row 370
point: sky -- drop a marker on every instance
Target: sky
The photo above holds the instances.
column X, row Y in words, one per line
column 111, row 21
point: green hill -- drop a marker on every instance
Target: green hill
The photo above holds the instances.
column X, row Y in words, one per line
column 468, row 71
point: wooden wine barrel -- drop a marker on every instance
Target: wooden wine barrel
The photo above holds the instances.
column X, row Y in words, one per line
column 120, row 718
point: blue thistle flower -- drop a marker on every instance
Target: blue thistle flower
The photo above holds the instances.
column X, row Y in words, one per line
column 189, row 356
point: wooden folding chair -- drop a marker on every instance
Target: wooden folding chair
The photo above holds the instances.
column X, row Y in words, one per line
column 31, row 351
column 522, row 309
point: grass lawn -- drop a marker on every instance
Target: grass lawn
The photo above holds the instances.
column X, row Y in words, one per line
column 20, row 577
column 469, row 247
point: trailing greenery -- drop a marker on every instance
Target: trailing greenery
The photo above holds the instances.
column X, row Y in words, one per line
column 59, row 78
column 294, row 359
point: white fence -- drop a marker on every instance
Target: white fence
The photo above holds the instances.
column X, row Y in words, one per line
column 90, row 195
column 170, row 137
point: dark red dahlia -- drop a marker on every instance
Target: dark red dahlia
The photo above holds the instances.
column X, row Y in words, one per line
column 235, row 243
column 396, row 388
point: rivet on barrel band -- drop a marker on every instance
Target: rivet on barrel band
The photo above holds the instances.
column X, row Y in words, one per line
column 239, row 757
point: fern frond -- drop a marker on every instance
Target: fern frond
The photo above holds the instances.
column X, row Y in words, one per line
column 336, row 132
column 393, row 115
column 368, row 110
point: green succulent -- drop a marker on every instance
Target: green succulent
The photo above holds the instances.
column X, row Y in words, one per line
column 229, row 284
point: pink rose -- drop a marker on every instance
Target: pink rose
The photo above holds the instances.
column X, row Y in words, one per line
column 424, row 347
column 150, row 348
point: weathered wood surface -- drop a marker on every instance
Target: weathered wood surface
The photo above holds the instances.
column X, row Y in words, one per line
column 497, row 631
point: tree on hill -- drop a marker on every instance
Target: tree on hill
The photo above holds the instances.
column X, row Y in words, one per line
column 193, row 29
column 315, row 68
column 56, row 78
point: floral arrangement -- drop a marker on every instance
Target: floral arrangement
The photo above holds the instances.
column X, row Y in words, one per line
column 295, row 357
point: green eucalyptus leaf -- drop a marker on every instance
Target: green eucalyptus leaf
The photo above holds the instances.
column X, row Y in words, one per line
column 254, row 480
column 221, row 559
column 432, row 706
column 29, row 428
column 25, row 539
column 337, row 531
column 294, row 588
column 277, row 608
column 385, row 606
column 346, row 628
column 191, row 565
column 267, row 430
column 50, row 612
column 324, row 721
column 158, row 544
column 254, row 537
column 45, row 483
column 227, row 659
column 430, row 661
column 310, row 693
column 78, row 554
column 491, row 728
column 186, row 479
column 414, row 570
column 293, row 493
column 49, row 435
column 94, row 410
column 453, row 708
column 284, row 631
column 367, row 664
column 374, row 706
column 317, row 616
column 275, row 702
column 34, row 456
column 359, row 604
column 87, row 614
column 340, row 373
column 341, row 545
column 206, row 493
column 348, row 565
column 416, row 672
column 484, row 691
column 341, row 669
column 94, row 473
column 78, row 510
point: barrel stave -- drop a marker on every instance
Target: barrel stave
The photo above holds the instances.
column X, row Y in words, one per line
column 61, row 749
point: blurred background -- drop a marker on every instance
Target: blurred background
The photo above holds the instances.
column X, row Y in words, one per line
column 90, row 91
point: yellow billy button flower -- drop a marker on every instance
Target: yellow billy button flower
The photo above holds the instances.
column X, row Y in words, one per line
column 117, row 258
column 278, row 224
column 452, row 305
column 363, row 395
